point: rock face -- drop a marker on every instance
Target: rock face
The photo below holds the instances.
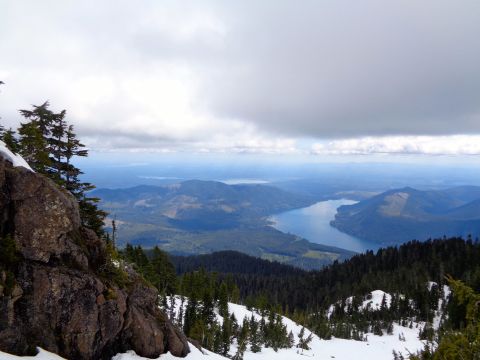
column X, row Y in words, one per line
column 66, row 295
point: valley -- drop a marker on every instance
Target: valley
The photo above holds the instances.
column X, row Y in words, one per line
column 196, row 217
column 239, row 180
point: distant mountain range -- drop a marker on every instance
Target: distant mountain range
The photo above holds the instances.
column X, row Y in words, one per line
column 198, row 217
column 199, row 205
column 399, row 215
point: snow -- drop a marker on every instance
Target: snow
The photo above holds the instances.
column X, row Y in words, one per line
column 42, row 355
column 431, row 284
column 439, row 313
column 375, row 303
column 446, row 292
column 372, row 303
column 374, row 348
column 15, row 159
column 194, row 354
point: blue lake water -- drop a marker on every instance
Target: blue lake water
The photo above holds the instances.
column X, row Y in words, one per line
column 313, row 224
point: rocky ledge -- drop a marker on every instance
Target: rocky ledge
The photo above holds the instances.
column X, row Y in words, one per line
column 61, row 291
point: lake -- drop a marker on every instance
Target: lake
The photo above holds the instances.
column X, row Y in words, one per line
column 313, row 224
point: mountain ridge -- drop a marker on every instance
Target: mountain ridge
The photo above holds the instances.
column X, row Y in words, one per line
column 198, row 217
column 403, row 214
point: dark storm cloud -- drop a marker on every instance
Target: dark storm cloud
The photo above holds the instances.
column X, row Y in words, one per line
column 350, row 68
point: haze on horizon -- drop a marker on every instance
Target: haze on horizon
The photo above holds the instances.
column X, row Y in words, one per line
column 311, row 79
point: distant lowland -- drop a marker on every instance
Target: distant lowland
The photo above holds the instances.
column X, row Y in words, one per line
column 200, row 217
column 400, row 215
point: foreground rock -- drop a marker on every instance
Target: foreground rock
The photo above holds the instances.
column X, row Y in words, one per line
column 62, row 292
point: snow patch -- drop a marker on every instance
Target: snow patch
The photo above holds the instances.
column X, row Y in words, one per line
column 375, row 302
column 15, row 159
column 194, row 354
column 403, row 340
column 374, row 348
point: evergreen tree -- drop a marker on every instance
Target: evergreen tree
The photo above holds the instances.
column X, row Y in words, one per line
column 226, row 334
column 242, row 340
column 207, row 313
column 303, row 342
column 33, row 147
column 464, row 344
column 218, row 340
column 290, row 340
column 198, row 331
column 162, row 272
column 57, row 146
column 190, row 316
column 49, row 145
column 10, row 140
column 223, row 300
column 42, row 116
column 254, row 336
column 180, row 321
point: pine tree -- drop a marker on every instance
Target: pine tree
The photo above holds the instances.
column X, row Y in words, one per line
column 254, row 338
column 242, row 340
column 180, row 319
column 226, row 334
column 10, row 140
column 42, row 116
column 163, row 275
column 198, row 331
column 207, row 313
column 303, row 342
column 290, row 339
column 49, row 145
column 190, row 316
column 223, row 300
column 58, row 146
column 217, row 340
column 33, row 147
column 390, row 328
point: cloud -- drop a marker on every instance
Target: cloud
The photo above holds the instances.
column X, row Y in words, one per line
column 245, row 76
column 412, row 145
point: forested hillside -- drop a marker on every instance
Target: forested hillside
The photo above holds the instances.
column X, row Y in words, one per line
column 405, row 268
column 371, row 293
column 198, row 217
column 399, row 215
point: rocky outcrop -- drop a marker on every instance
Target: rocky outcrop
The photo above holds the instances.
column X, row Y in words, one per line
column 63, row 293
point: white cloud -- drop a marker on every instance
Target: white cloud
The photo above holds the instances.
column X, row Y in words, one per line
column 248, row 76
column 425, row 145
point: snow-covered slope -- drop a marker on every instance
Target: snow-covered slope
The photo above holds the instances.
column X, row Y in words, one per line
column 372, row 302
column 375, row 348
column 15, row 159
column 194, row 354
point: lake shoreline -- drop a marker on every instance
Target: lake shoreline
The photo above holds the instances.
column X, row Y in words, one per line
column 313, row 223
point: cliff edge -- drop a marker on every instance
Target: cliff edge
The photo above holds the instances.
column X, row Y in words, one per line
column 60, row 289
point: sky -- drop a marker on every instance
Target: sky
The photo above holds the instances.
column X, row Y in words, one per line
column 313, row 78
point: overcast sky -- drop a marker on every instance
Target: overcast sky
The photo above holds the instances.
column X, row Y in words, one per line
column 311, row 77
